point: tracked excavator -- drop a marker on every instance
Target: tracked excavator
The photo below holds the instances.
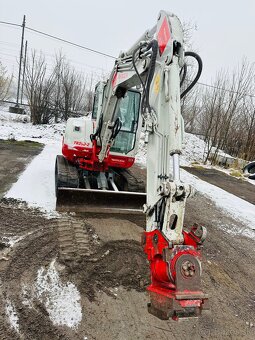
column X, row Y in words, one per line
column 92, row 173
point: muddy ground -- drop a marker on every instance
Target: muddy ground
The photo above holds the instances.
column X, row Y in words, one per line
column 112, row 277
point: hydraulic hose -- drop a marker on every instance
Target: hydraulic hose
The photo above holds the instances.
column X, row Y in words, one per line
column 184, row 70
column 153, row 45
column 199, row 71
column 116, row 128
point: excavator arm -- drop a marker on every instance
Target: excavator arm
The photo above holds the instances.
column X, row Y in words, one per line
column 155, row 63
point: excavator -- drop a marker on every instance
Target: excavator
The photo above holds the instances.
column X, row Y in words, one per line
column 92, row 174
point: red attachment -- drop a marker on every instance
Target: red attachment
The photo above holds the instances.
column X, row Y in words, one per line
column 174, row 290
column 163, row 36
column 87, row 157
column 157, row 249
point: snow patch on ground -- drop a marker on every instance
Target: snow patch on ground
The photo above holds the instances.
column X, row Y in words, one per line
column 13, row 126
column 27, row 131
column 252, row 181
column 233, row 205
column 12, row 315
column 193, row 150
column 61, row 300
column 36, row 185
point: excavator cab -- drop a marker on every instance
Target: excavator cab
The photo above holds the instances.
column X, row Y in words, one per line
column 127, row 111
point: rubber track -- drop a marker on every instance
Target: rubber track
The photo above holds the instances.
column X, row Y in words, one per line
column 134, row 184
column 73, row 240
column 67, row 175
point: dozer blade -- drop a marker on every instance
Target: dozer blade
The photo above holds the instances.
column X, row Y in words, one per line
column 99, row 201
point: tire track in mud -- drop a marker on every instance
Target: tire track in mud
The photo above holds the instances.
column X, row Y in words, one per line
column 95, row 265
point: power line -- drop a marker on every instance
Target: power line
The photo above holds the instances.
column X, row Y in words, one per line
column 59, row 39
column 10, row 23
column 227, row 90
column 70, row 43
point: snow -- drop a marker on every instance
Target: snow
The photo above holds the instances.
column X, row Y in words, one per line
column 27, row 131
column 36, row 185
column 236, row 207
column 61, row 300
column 11, row 125
column 193, row 149
column 12, row 315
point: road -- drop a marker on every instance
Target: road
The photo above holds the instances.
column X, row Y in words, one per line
column 235, row 186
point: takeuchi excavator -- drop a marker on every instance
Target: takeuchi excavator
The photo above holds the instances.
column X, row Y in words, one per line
column 92, row 174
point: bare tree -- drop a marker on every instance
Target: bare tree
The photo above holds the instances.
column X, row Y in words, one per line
column 5, row 82
column 227, row 120
column 39, row 87
column 70, row 89
column 191, row 108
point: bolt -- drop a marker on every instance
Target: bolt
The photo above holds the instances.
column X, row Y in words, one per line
column 155, row 238
column 185, row 267
column 188, row 269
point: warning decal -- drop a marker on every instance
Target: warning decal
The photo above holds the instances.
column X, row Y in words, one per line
column 163, row 36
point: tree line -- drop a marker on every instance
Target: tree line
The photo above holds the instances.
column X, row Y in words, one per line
column 56, row 93
column 224, row 113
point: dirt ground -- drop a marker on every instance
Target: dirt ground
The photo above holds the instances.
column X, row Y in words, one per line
column 112, row 277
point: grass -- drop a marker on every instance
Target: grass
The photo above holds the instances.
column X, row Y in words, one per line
column 197, row 165
column 22, row 143
column 236, row 173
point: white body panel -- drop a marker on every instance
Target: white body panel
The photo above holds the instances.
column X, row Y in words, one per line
column 78, row 131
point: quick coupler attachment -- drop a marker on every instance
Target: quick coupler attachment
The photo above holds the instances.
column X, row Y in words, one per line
column 175, row 290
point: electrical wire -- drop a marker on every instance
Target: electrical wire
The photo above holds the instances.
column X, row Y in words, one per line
column 10, row 23
column 227, row 90
column 60, row 39
column 70, row 43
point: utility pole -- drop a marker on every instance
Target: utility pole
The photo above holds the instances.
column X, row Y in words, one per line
column 20, row 58
column 24, row 70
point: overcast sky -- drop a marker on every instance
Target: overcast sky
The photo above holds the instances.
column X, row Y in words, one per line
column 225, row 29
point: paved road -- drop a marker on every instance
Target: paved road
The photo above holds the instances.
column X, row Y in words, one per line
column 235, row 186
